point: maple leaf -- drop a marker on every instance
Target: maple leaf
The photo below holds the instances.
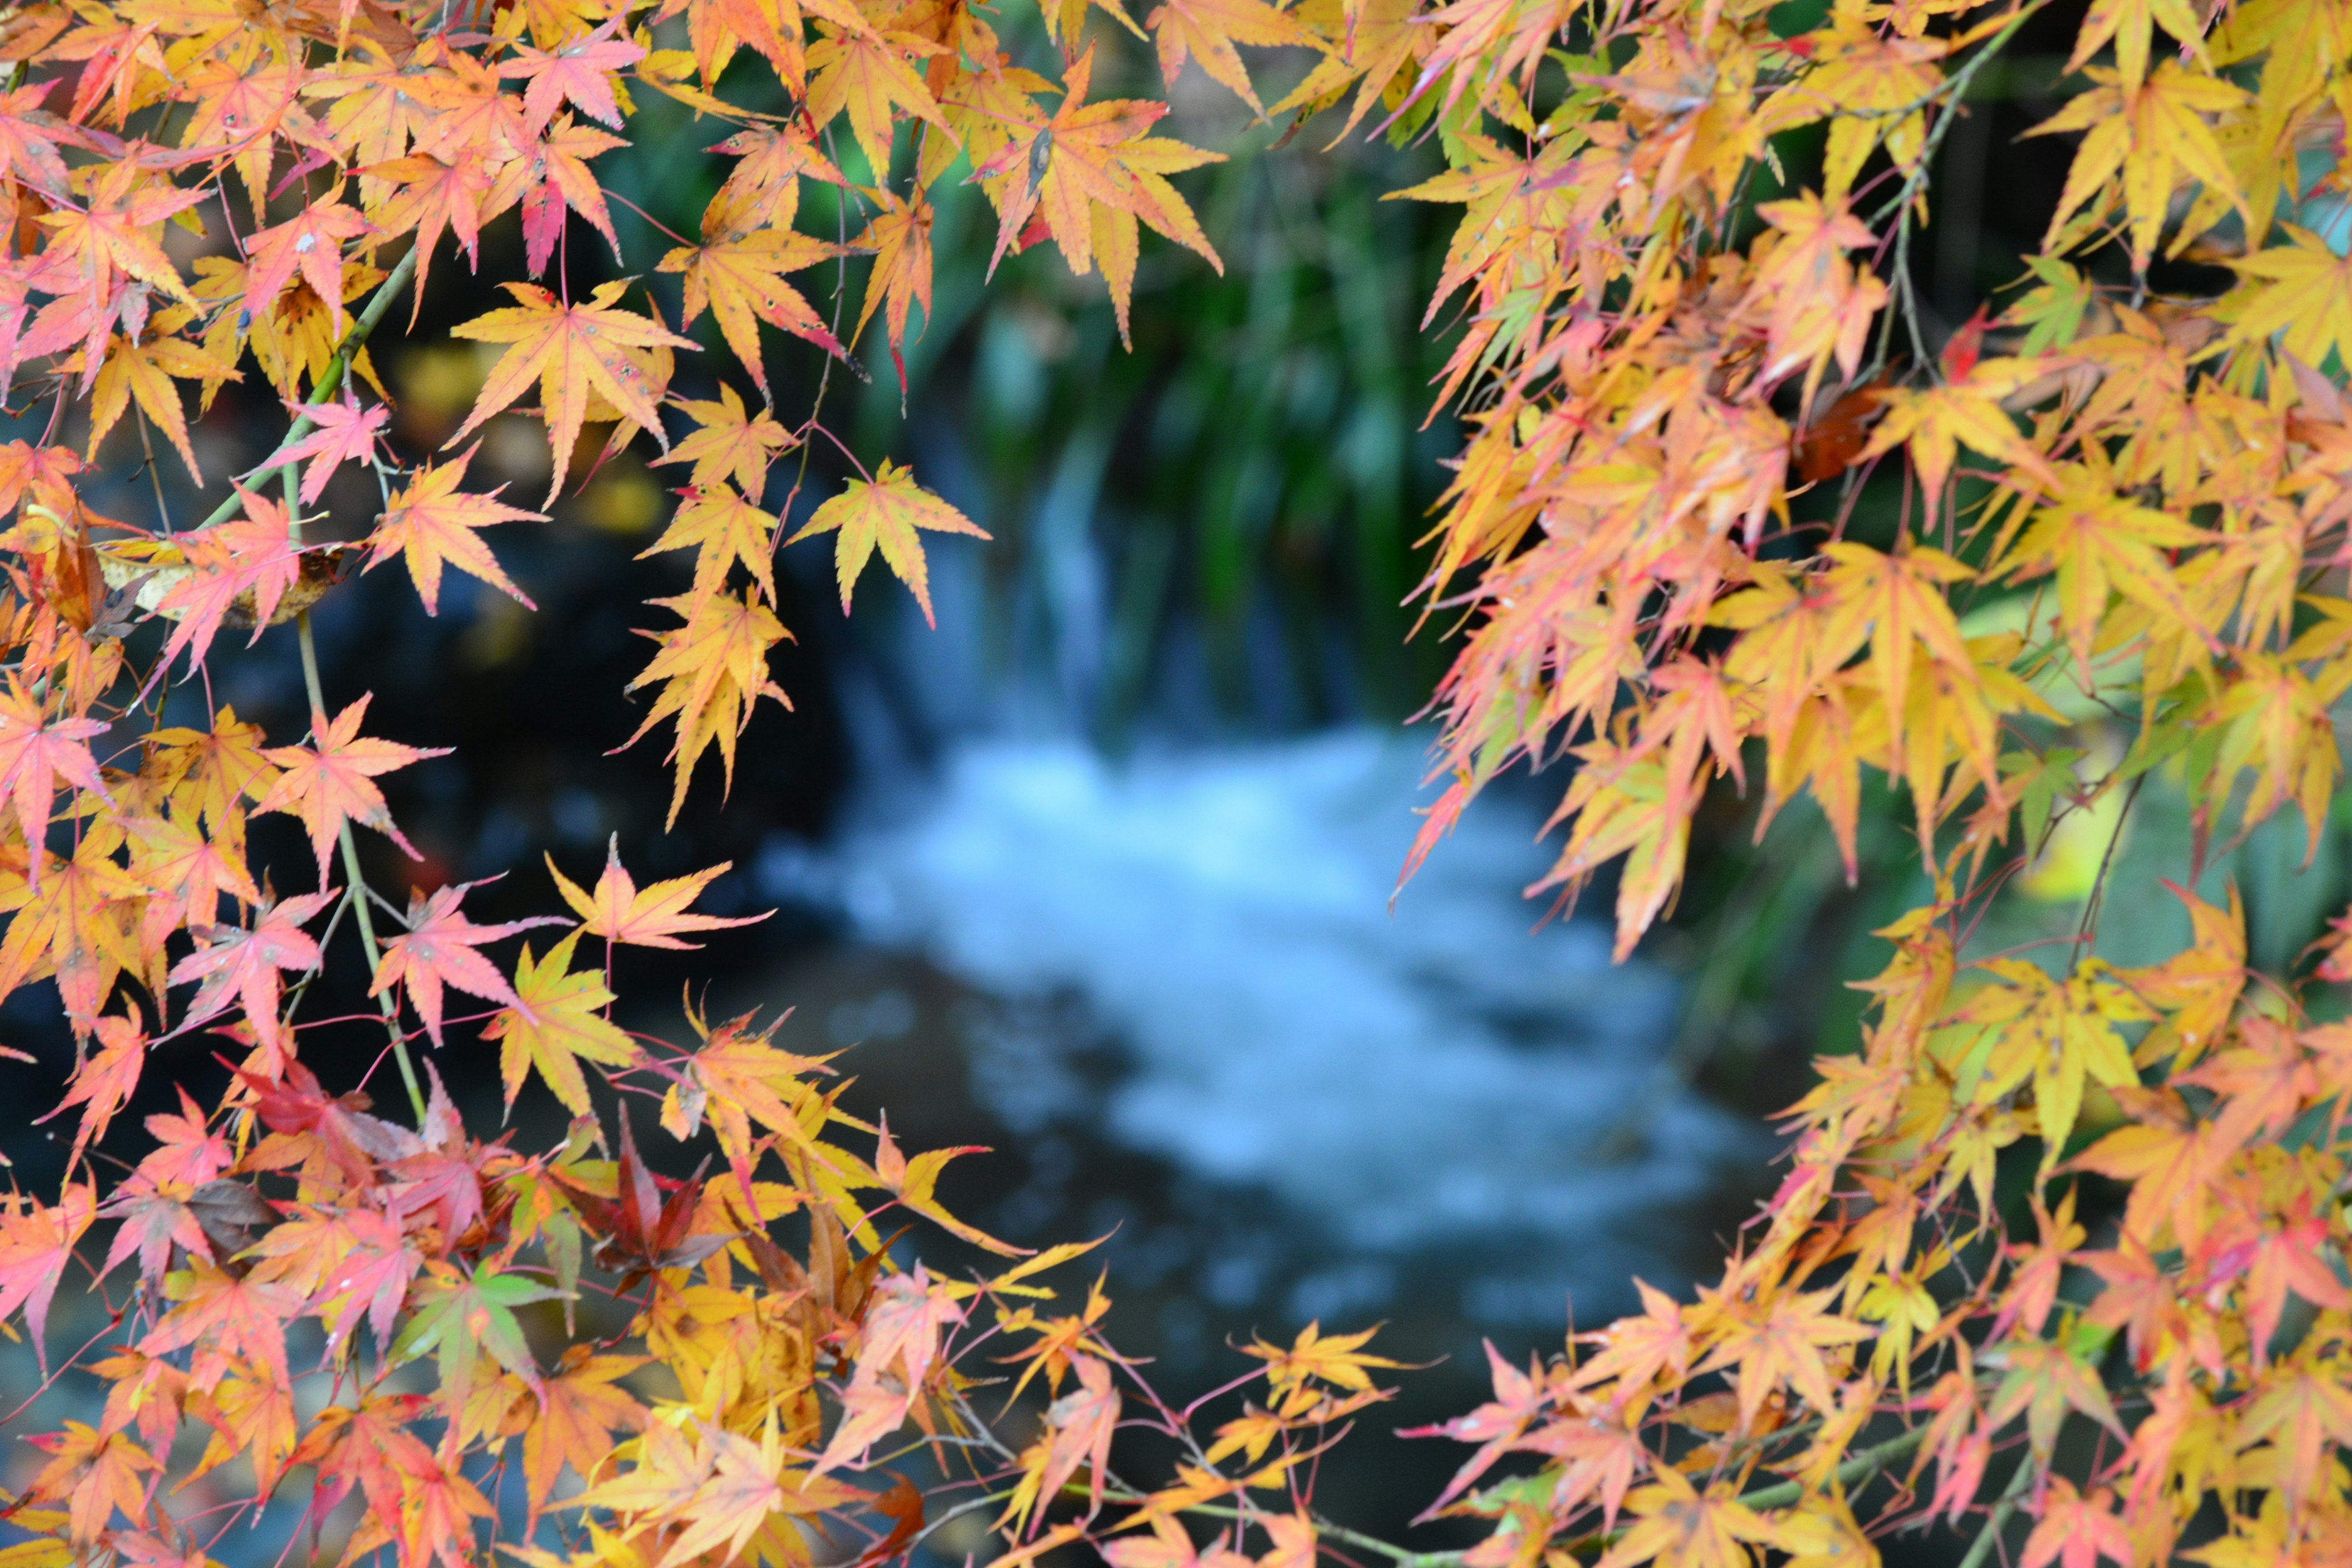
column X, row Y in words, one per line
column 241, row 963
column 311, row 242
column 103, row 1080
column 2044, row 1380
column 899, row 236
column 739, row 279
column 558, row 1021
column 730, row 443
column 109, row 234
column 431, row 523
column 341, row 432
column 143, row 371
column 215, row 770
column 455, row 1317
column 904, row 1324
column 641, row 1231
column 722, row 527
column 764, row 184
column 2098, row 543
column 566, row 185
column 2198, row 985
column 102, row 1473
column 713, row 668
column 1780, row 1345
column 434, row 194
column 1938, row 421
column 578, row 72
column 2153, row 134
column 2300, row 295
column 1079, row 1430
column 1495, row 1426
column 619, row 911
column 252, row 1418
column 1207, row 30
column 223, row 1316
column 186, row 1151
column 912, row 1182
column 1681, row 1527
column 736, row 1078
column 1094, row 159
column 36, row 750
column 2127, row 22
column 355, row 1266
column 2302, row 1406
column 36, row 1241
column 1338, row 1360
column 579, row 1413
column 570, row 349
column 328, row 783
column 236, row 573
column 866, row 73
column 1635, row 1350
column 439, row 948
column 884, row 512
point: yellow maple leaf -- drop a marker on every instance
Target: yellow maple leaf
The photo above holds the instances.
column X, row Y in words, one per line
column 884, row 513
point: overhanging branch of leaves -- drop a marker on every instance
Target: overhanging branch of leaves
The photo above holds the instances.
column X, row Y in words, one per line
column 1676, row 399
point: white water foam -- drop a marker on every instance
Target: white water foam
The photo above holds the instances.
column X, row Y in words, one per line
column 1401, row 1078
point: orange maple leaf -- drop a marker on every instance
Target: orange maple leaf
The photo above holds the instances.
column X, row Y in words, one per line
column 722, row 527
column 431, row 523
column 913, row 1184
column 739, row 279
column 570, row 349
column 224, row 1315
column 619, row 912
column 730, row 442
column 327, row 782
column 579, row 1411
column 1096, row 158
column 900, row 234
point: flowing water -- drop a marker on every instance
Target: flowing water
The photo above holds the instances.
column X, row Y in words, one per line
column 1175, row 990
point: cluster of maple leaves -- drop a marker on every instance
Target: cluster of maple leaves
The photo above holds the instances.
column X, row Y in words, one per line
column 1673, row 415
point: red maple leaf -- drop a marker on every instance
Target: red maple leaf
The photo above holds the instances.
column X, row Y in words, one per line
column 327, row 783
column 579, row 71
column 343, row 431
column 438, row 949
column 254, row 553
column 311, row 243
column 36, row 1242
column 34, row 751
column 241, row 964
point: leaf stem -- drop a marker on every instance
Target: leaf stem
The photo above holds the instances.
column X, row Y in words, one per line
column 330, row 380
column 1982, row 1546
column 1861, row 1467
column 328, row 383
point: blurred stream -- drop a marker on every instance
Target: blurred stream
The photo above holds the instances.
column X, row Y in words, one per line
column 1182, row 970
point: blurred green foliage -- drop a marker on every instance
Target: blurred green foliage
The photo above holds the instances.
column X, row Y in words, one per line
column 1245, row 485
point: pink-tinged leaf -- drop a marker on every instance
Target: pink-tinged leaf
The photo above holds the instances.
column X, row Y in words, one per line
column 36, row 1242
column 241, row 965
column 345, row 431
column 439, row 949
column 35, row 752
